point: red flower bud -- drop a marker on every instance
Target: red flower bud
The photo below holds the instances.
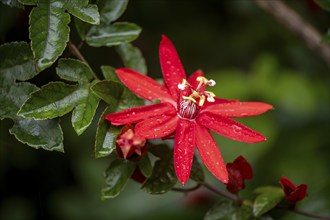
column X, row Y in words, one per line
column 130, row 145
column 293, row 193
column 238, row 171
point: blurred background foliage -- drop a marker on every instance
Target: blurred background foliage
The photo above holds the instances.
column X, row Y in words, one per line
column 248, row 54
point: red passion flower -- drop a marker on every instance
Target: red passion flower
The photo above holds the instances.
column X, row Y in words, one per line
column 293, row 193
column 187, row 110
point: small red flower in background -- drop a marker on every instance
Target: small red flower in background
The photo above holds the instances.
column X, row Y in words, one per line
column 188, row 111
column 293, row 193
column 130, row 145
column 238, row 172
column 138, row 176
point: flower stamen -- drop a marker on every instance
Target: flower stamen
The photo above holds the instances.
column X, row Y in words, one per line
column 189, row 98
column 182, row 86
column 192, row 99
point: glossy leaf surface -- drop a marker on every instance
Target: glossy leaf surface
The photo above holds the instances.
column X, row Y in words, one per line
column 49, row 32
column 132, row 57
column 105, row 140
column 116, row 177
column 225, row 210
column 45, row 134
column 74, row 70
column 115, row 34
column 84, row 112
column 53, row 100
column 267, row 199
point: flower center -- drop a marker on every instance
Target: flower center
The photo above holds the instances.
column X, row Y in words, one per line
column 192, row 99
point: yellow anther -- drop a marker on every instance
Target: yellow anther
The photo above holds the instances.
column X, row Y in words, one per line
column 201, row 101
column 202, row 79
column 189, row 98
column 208, row 93
column 194, row 94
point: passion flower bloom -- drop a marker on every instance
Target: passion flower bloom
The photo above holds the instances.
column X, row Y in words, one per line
column 188, row 111
column 238, row 171
column 293, row 193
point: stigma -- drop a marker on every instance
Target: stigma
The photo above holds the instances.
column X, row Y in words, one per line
column 192, row 99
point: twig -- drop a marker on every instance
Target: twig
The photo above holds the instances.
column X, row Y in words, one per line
column 307, row 214
column 75, row 51
column 222, row 193
column 294, row 22
column 239, row 201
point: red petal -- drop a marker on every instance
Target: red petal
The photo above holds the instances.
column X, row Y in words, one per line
column 239, row 109
column 143, row 86
column 157, row 127
column 218, row 101
column 210, row 153
column 244, row 167
column 192, row 79
column 184, row 149
column 235, row 179
column 298, row 194
column 229, row 128
column 171, row 66
column 287, row 186
column 137, row 114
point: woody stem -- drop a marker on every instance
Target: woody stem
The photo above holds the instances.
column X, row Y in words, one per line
column 75, row 51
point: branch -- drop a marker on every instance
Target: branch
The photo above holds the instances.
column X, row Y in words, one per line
column 294, row 22
column 238, row 200
column 307, row 214
column 223, row 193
column 75, row 51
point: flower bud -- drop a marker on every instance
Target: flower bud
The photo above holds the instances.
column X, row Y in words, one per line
column 293, row 193
column 130, row 145
column 238, row 172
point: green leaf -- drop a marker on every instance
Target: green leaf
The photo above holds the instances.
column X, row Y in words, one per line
column 226, row 210
column 28, row 2
column 84, row 112
column 16, row 61
column 105, row 140
column 267, row 199
column 162, row 178
column 115, row 34
column 109, row 73
column 110, row 91
column 13, row 3
column 325, row 4
column 127, row 99
column 197, row 173
column 112, row 10
column 45, row 134
column 84, row 11
column 74, row 70
column 53, row 100
column 82, row 28
column 145, row 165
column 132, row 57
column 12, row 97
column 49, row 32
column 116, row 177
